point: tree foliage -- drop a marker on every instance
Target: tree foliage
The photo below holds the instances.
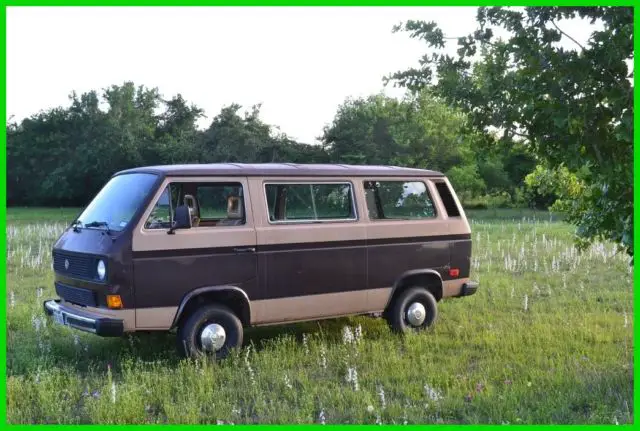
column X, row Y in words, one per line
column 424, row 132
column 64, row 155
column 570, row 107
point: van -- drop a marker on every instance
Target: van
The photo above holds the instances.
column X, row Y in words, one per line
column 210, row 249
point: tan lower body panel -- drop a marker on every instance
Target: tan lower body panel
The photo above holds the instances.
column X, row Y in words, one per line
column 308, row 307
column 453, row 287
column 155, row 318
column 274, row 311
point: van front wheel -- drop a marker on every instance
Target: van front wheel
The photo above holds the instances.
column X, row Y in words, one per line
column 211, row 330
column 415, row 308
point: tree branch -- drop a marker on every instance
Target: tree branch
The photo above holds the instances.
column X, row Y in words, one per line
column 565, row 34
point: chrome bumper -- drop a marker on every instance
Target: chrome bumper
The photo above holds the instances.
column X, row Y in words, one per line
column 83, row 320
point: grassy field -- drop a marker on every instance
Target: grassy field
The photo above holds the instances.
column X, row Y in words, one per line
column 547, row 339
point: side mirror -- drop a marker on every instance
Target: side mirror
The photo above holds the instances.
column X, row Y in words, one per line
column 182, row 219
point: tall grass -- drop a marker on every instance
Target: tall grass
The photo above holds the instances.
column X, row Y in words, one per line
column 547, row 339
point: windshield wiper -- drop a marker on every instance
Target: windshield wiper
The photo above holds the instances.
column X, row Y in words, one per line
column 98, row 224
column 75, row 224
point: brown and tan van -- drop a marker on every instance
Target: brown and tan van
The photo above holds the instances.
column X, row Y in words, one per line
column 211, row 249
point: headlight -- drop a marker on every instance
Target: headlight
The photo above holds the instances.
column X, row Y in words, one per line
column 102, row 270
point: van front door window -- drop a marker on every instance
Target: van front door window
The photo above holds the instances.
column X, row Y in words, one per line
column 210, row 205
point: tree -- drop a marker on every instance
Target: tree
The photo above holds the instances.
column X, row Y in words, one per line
column 571, row 107
column 419, row 131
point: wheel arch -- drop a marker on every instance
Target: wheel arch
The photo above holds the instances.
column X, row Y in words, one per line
column 430, row 279
column 232, row 296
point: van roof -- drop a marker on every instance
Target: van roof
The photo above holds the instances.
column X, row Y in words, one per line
column 282, row 169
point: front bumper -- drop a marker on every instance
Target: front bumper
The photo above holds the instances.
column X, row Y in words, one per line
column 469, row 288
column 83, row 320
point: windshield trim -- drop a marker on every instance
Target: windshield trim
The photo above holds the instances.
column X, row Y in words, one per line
column 133, row 221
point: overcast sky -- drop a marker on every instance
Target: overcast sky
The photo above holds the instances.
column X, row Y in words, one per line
column 300, row 63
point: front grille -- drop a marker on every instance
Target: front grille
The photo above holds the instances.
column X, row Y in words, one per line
column 76, row 295
column 79, row 265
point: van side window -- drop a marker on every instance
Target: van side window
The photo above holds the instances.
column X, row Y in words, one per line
column 310, row 202
column 398, row 200
column 447, row 199
column 210, row 204
column 221, row 202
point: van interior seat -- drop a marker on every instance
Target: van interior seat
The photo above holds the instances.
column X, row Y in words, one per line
column 194, row 210
column 235, row 212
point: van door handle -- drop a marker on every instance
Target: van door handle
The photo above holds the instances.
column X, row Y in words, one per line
column 245, row 250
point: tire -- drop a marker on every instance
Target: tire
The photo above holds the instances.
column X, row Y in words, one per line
column 396, row 314
column 189, row 340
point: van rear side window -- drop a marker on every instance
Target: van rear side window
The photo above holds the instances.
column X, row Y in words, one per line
column 447, row 199
column 398, row 200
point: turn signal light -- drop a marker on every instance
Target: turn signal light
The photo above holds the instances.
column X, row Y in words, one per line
column 454, row 272
column 114, row 301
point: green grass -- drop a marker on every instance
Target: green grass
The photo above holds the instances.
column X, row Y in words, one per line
column 566, row 358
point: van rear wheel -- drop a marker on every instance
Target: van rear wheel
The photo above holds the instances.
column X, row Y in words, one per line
column 413, row 309
column 211, row 330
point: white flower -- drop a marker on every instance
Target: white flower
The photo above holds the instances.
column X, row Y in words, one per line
column 321, row 417
column 347, row 335
column 432, row 393
column 287, row 382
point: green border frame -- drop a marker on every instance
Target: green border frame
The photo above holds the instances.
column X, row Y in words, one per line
column 177, row 3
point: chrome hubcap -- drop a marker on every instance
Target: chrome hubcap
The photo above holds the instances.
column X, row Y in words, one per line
column 213, row 337
column 416, row 314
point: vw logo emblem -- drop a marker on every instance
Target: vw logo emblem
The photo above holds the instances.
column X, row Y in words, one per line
column 66, row 264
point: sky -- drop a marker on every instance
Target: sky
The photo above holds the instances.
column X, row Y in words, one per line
column 299, row 63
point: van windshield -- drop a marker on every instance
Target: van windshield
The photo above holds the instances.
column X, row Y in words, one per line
column 115, row 205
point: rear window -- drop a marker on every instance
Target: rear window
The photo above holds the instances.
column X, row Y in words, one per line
column 447, row 199
column 398, row 200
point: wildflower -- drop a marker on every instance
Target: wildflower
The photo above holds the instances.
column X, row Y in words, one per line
column 479, row 387
column 358, row 333
column 432, row 393
column 12, row 300
column 113, row 392
column 347, row 335
column 321, row 417
column 369, row 409
column 468, row 398
column 287, row 382
column 248, row 365
column 383, row 402
column 526, row 303
column 219, row 422
column 528, row 384
column 323, row 357
column 305, row 344
column 352, row 377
